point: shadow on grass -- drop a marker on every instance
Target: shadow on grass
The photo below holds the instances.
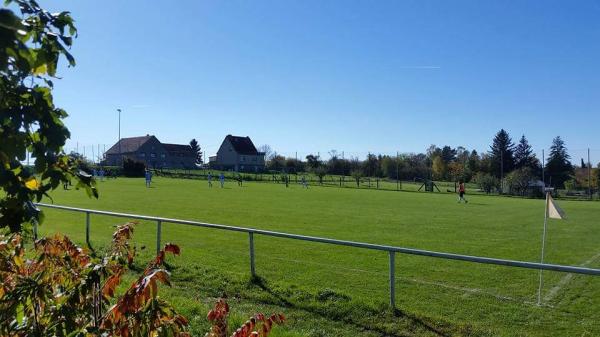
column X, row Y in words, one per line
column 346, row 315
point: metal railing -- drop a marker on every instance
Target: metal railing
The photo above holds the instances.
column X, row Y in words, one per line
column 392, row 250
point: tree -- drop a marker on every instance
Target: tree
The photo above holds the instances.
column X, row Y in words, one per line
column 502, row 154
column 487, row 182
column 276, row 163
column 313, row 161
column 558, row 166
column 197, row 151
column 598, row 177
column 448, row 154
column 456, row 171
column 371, row 166
column 267, row 150
column 356, row 174
column 320, row 172
column 524, row 156
column 439, row 168
column 519, row 179
column 30, row 49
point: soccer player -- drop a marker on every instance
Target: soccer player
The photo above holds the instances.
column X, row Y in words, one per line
column 209, row 178
column 148, row 177
column 304, row 184
column 461, row 192
column 222, row 179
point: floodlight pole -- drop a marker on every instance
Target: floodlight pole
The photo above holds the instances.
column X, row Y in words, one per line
column 397, row 171
column 120, row 154
column 589, row 175
column 501, row 171
column 546, row 211
column 543, row 168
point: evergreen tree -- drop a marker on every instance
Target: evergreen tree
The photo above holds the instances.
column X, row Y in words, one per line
column 448, row 154
column 197, row 150
column 558, row 166
column 583, row 164
column 502, row 154
column 473, row 163
column 525, row 158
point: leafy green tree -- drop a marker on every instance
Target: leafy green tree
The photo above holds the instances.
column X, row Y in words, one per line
column 197, row 151
column 371, row 166
column 320, row 172
column 356, row 174
column 518, row 180
column 439, row 168
column 558, row 166
column 276, row 162
column 31, row 46
column 487, row 182
column 313, row 161
column 502, row 154
column 294, row 165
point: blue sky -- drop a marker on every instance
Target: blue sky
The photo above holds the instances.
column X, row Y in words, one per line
column 356, row 76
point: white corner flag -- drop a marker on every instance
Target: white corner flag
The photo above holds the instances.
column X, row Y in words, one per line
column 554, row 212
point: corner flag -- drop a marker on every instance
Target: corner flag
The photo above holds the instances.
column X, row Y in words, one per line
column 554, row 212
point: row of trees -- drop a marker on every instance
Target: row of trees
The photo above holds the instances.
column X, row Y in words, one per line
column 515, row 164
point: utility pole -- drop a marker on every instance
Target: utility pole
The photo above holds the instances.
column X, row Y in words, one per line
column 543, row 168
column 589, row 175
column 120, row 154
column 501, row 171
column 397, row 171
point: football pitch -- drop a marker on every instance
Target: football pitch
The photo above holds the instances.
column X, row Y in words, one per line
column 323, row 288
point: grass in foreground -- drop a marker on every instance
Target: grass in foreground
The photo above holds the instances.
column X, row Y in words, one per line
column 319, row 286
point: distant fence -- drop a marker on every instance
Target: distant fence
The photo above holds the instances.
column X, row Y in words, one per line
column 391, row 250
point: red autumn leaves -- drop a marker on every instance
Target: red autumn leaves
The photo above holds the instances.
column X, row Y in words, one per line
column 257, row 326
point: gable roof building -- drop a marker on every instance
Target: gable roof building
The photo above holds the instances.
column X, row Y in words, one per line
column 238, row 154
column 149, row 150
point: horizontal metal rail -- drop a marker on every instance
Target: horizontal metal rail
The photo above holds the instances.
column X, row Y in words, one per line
column 402, row 250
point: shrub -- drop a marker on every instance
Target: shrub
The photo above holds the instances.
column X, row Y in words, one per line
column 132, row 168
column 58, row 289
column 487, row 182
column 518, row 180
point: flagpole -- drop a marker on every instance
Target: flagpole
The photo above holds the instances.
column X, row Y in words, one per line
column 548, row 190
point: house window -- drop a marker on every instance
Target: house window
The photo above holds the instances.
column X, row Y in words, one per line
column 142, row 154
column 153, row 155
column 162, row 155
column 254, row 159
column 243, row 158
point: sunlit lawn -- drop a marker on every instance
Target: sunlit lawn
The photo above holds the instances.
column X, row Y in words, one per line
column 453, row 297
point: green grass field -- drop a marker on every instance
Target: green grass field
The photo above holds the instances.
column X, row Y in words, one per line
column 341, row 291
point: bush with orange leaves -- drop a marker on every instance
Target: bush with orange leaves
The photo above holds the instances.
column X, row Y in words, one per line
column 257, row 326
column 59, row 289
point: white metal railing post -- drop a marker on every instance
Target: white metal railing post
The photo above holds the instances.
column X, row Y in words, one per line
column 252, row 266
column 392, row 279
column 158, row 233
column 87, row 228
